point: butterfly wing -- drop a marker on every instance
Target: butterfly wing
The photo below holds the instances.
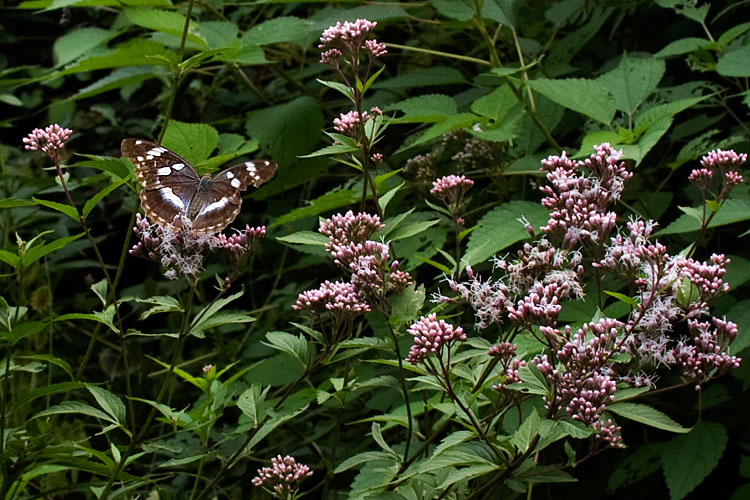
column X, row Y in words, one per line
column 169, row 182
column 223, row 198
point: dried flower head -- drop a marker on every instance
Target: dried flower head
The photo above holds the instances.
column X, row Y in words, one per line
column 50, row 140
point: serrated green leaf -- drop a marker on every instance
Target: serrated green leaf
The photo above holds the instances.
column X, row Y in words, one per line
column 165, row 21
column 204, row 317
column 689, row 458
column 324, row 203
column 109, row 403
column 360, row 458
column 424, row 108
column 734, row 63
column 119, row 78
column 405, row 307
column 277, row 30
column 161, row 304
column 287, row 130
column 14, row 203
column 410, row 229
column 528, row 429
column 632, row 81
column 682, row 46
column 21, row 331
column 137, row 52
column 500, row 228
column 78, row 42
column 220, row 319
column 733, row 210
column 587, row 97
column 455, row 9
column 75, row 407
column 646, row 415
column 251, row 402
column 193, row 141
column 294, row 345
column 60, row 207
column 426, row 77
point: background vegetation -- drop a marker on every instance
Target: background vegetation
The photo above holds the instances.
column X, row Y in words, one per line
column 104, row 391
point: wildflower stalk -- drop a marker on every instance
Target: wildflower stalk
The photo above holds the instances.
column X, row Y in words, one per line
column 177, row 73
column 404, row 390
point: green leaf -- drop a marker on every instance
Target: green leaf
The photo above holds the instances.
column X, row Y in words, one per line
column 587, row 97
column 289, row 129
column 425, row 77
column 193, row 141
column 405, row 307
column 500, row 228
column 532, row 381
column 455, row 9
column 279, row 29
column 11, row 100
column 109, row 403
column 100, row 289
column 425, row 108
column 734, row 63
column 11, row 259
column 304, row 238
column 120, row 167
column 731, row 211
column 410, row 229
column 496, row 104
column 49, row 358
column 647, row 415
column 733, row 33
column 165, row 21
column 14, row 203
column 20, row 332
column 339, row 87
column 91, row 202
column 632, row 81
column 325, row 203
column 221, row 319
column 251, row 402
column 119, row 78
column 74, row 407
column 137, row 52
column 38, row 251
column 525, row 434
column 78, row 42
column 387, row 197
column 644, row 461
column 161, row 304
column 60, row 207
column 204, row 316
column 334, row 149
column 452, row 122
column 361, row 458
column 740, row 314
column 622, row 297
column 682, row 46
column 690, row 458
column 502, row 11
column 294, row 345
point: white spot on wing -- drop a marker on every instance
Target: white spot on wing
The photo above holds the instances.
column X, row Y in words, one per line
column 236, row 183
column 139, row 158
column 178, row 166
column 168, row 195
column 250, row 167
column 217, row 205
column 149, row 157
column 138, row 142
column 164, row 171
column 230, row 175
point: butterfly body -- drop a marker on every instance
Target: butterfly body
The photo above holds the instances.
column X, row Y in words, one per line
column 172, row 188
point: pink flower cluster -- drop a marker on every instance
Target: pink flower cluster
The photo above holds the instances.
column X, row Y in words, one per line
column 430, row 335
column 582, row 383
column 348, row 40
column 50, row 140
column 509, row 364
column 349, row 123
column 726, row 165
column 579, row 203
column 372, row 271
column 182, row 252
column 451, row 189
column 283, row 477
column 705, row 357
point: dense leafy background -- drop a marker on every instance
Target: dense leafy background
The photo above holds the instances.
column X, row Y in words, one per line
column 513, row 82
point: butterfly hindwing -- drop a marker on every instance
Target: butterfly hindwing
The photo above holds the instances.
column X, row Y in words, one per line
column 224, row 197
column 172, row 187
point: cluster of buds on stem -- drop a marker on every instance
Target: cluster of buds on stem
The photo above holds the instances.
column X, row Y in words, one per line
column 283, row 478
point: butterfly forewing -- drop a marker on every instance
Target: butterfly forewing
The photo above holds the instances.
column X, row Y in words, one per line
column 172, row 187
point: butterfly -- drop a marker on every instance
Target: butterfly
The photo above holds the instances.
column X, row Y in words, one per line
column 171, row 187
